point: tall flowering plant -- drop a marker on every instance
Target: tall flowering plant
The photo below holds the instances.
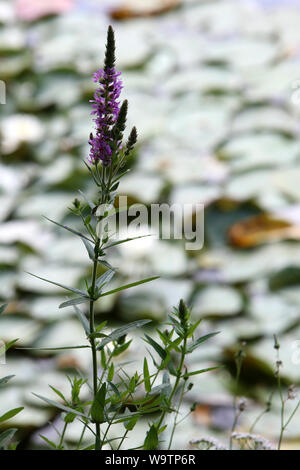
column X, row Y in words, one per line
column 117, row 397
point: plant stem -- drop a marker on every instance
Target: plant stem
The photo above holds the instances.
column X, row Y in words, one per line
column 92, row 339
column 60, row 445
column 281, row 412
column 176, row 416
column 178, row 378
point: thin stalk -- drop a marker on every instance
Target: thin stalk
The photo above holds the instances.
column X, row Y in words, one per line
column 60, row 445
column 178, row 378
column 122, row 440
column 81, row 436
column 256, row 421
column 282, row 427
column 176, row 416
column 92, row 339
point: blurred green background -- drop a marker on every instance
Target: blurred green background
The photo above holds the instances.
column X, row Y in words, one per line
column 213, row 90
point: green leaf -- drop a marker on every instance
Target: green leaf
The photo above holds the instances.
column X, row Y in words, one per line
column 97, row 410
column 105, row 278
column 128, row 286
column 199, row 341
column 6, row 436
column 51, row 444
column 69, row 229
column 58, row 393
column 151, row 441
column 121, row 332
column 130, row 424
column 71, row 289
column 2, row 308
column 72, row 302
column 114, row 388
column 83, row 320
column 69, row 418
column 60, row 406
column 193, row 328
column 10, row 344
column 111, row 372
column 10, row 414
column 147, row 377
column 89, row 248
column 106, row 264
column 125, row 240
column 5, row 379
column 201, row 371
column 87, row 200
column 160, row 351
column 62, row 348
column 120, row 349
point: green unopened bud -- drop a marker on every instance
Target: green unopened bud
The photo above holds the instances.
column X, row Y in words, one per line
column 121, row 340
column 110, row 57
column 76, row 203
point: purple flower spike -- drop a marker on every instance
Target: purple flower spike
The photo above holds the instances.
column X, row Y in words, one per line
column 106, row 106
column 106, row 109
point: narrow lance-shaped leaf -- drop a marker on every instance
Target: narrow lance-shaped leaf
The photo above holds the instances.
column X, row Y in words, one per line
column 105, row 278
column 147, row 377
column 160, row 351
column 89, row 248
column 199, row 341
column 151, row 441
column 83, row 320
column 2, row 308
column 4, row 380
column 128, row 286
column 10, row 414
column 62, row 348
column 72, row 302
column 201, row 371
column 71, row 289
column 60, row 406
column 69, row 229
column 6, row 436
column 87, row 200
column 97, row 410
column 121, row 332
column 119, row 242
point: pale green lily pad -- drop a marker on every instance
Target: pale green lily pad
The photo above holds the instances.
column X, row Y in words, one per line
column 62, row 274
column 179, row 164
column 289, row 354
column 63, row 333
column 8, row 255
column 273, row 313
column 20, row 128
column 28, row 232
column 25, row 329
column 13, row 65
column 217, row 300
column 54, row 205
column 204, row 79
column 12, row 39
column 165, row 294
column 46, row 308
column 7, row 284
column 134, row 185
column 194, row 194
column 265, row 118
column 252, row 151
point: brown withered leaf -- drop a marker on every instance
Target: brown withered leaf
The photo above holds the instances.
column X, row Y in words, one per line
column 260, row 229
column 142, row 8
